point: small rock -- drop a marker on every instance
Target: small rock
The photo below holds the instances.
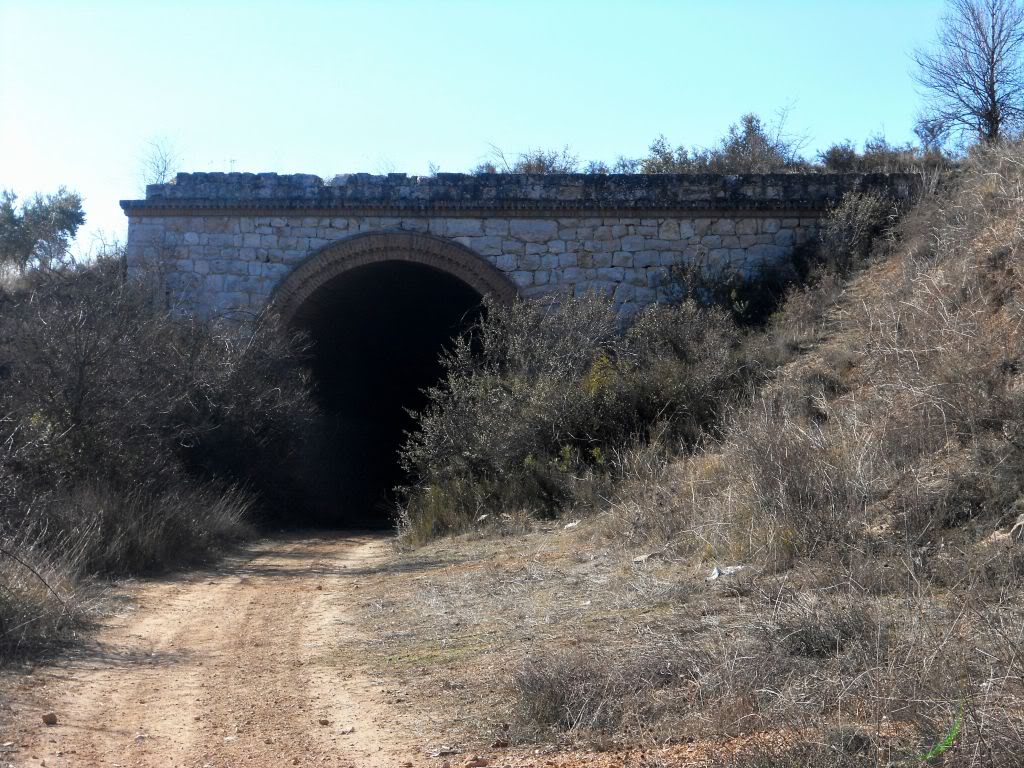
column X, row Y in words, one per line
column 477, row 762
column 324, row 721
column 727, row 570
column 641, row 559
column 50, row 718
column 500, row 744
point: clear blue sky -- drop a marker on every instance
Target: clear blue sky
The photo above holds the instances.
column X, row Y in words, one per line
column 393, row 85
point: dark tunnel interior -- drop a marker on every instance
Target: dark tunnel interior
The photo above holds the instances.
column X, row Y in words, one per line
column 377, row 332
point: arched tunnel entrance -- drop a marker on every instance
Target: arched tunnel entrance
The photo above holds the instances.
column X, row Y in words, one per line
column 378, row 311
column 377, row 333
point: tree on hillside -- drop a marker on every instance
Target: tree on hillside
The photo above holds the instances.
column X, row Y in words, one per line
column 38, row 232
column 973, row 77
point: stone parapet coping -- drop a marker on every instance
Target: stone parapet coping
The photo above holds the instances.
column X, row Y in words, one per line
column 507, row 194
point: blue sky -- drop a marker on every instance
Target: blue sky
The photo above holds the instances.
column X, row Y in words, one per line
column 395, row 85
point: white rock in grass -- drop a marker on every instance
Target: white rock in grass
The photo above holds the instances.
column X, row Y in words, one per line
column 727, row 570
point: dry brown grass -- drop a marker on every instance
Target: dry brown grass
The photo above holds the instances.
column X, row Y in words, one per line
column 868, row 490
column 42, row 601
column 545, row 637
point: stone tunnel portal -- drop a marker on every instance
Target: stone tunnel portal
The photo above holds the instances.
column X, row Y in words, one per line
column 383, row 270
column 378, row 311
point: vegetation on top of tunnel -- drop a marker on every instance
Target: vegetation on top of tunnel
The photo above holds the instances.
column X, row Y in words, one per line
column 131, row 439
column 753, row 144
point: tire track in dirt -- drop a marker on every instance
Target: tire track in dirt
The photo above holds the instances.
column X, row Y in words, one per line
column 229, row 668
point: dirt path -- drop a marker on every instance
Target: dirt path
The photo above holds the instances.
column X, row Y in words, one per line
column 224, row 668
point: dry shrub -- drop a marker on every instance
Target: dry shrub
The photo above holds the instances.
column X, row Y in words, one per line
column 540, row 401
column 905, row 419
column 801, row 755
column 132, row 439
column 775, row 489
column 100, row 382
column 135, row 532
column 819, row 627
column 42, row 603
column 750, row 297
column 666, row 499
column 801, row 495
column 851, row 229
column 587, row 691
column 879, row 156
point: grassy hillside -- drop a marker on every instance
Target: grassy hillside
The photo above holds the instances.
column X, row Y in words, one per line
column 830, row 565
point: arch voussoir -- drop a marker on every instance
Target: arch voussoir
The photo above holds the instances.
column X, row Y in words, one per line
column 374, row 247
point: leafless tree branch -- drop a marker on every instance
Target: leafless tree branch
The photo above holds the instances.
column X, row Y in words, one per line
column 973, row 77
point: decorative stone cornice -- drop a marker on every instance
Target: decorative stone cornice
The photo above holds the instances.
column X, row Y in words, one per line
column 513, row 195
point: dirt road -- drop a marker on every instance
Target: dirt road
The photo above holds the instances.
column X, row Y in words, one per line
column 220, row 668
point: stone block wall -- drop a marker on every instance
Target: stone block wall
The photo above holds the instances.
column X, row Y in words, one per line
column 225, row 242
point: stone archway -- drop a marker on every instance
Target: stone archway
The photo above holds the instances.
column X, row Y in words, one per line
column 377, row 310
column 361, row 250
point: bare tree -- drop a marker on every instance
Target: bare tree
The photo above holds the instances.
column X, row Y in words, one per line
column 159, row 163
column 973, row 77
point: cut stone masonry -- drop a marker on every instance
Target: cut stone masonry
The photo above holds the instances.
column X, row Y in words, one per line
column 223, row 242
